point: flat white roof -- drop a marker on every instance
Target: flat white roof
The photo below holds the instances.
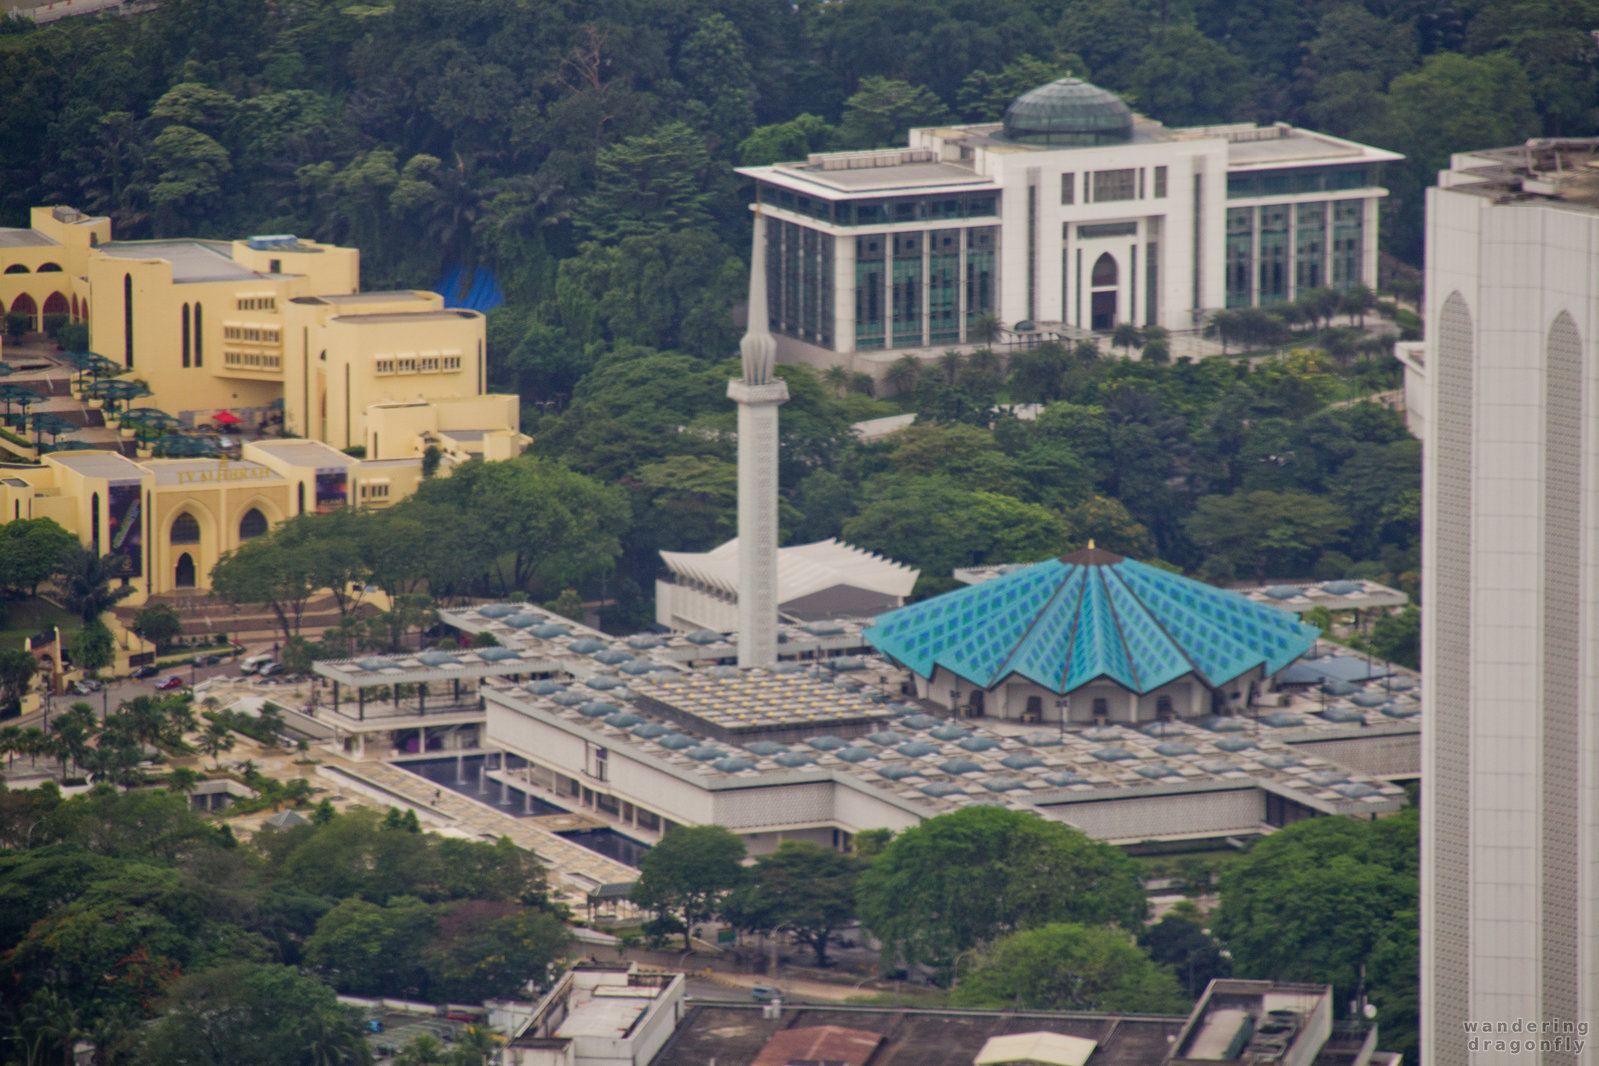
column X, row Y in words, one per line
column 609, row 1011
column 1054, row 1048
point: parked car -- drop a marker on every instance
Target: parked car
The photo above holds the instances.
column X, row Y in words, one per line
column 270, row 669
column 170, row 682
column 255, row 662
column 207, row 660
column 86, row 686
column 764, row 993
column 145, row 671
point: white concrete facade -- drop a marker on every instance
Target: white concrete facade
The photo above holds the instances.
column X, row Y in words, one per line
column 908, row 249
column 1510, row 762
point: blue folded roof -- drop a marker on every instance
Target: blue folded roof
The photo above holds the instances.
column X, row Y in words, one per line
column 1087, row 616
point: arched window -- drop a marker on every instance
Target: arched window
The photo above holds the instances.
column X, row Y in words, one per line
column 16, row 268
column 24, row 305
column 185, row 530
column 49, row 268
column 252, row 525
column 185, row 330
column 299, row 496
column 56, row 304
column 184, row 577
column 1104, row 271
column 199, row 337
column 127, row 321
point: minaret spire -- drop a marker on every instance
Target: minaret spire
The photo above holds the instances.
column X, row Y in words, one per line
column 758, row 395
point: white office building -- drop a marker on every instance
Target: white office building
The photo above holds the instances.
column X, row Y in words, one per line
column 1506, row 380
column 1072, row 215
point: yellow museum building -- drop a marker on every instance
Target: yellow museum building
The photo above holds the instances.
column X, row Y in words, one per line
column 240, row 326
column 166, row 522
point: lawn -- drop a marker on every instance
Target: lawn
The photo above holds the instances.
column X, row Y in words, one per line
column 27, row 618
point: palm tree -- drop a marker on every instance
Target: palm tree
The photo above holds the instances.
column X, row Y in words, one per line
column 1126, row 336
column 11, row 744
column 951, row 362
column 836, row 377
column 1157, row 351
column 986, row 328
column 215, row 739
column 182, row 779
column 34, row 744
column 985, row 366
column 903, row 373
column 86, row 585
column 1356, row 301
column 863, row 383
column 423, row 1051
column 1223, row 325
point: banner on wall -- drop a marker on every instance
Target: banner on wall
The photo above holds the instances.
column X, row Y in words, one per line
column 126, row 521
column 331, row 490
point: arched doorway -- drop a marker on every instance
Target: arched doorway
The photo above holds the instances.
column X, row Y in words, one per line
column 183, row 577
column 56, row 304
column 24, row 305
column 1104, row 280
column 252, row 525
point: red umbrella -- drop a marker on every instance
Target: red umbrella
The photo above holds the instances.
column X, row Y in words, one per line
column 226, row 418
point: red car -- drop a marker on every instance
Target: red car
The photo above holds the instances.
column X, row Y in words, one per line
column 167, row 684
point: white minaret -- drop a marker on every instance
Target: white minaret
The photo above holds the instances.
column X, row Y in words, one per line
column 758, row 395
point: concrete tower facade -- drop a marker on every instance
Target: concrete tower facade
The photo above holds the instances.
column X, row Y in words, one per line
column 758, row 394
column 1505, row 386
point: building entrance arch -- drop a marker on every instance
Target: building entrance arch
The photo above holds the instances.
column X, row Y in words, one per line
column 183, row 576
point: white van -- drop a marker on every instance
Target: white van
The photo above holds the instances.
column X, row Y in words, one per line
column 255, row 662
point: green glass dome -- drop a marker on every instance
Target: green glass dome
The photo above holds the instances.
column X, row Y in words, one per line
column 1068, row 112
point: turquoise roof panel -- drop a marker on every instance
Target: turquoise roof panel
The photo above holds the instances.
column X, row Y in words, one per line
column 1063, row 623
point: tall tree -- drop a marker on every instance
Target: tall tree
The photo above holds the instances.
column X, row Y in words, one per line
column 653, row 183
column 86, row 585
column 1069, row 967
column 688, row 874
column 962, row 880
column 802, row 887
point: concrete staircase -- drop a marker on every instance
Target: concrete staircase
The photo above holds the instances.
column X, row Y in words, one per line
column 204, row 614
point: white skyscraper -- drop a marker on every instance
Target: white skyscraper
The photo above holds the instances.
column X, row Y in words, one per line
column 1504, row 391
column 758, row 395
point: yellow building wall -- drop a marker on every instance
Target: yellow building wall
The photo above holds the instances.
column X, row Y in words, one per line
column 19, row 267
column 217, row 509
column 379, row 358
column 395, row 430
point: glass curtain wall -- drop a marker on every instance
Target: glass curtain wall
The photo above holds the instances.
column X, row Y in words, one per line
column 1349, row 217
column 943, row 286
column 1240, row 254
column 907, row 291
column 1273, row 254
column 799, row 282
column 1310, row 246
column 980, row 243
column 869, row 260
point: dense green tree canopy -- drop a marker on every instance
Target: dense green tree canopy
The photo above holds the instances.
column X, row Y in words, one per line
column 801, row 887
column 689, row 872
column 962, row 880
column 1069, row 967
